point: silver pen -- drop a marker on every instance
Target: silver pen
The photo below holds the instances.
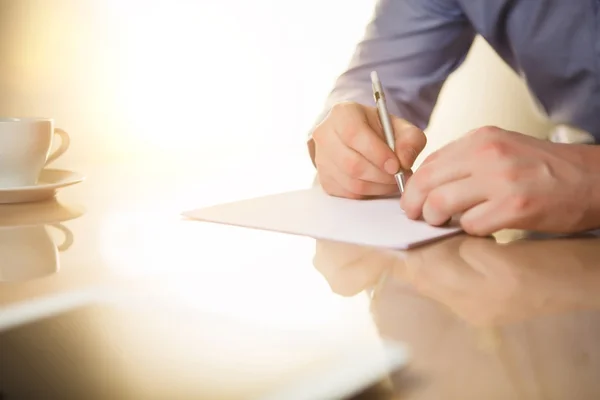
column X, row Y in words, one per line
column 386, row 123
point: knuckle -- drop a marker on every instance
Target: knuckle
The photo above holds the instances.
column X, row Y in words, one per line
column 510, row 174
column 350, row 135
column 419, row 180
column 422, row 141
column 437, row 201
column 407, row 156
column 488, row 130
column 318, row 133
column 353, row 166
column 416, row 136
column 412, row 138
column 407, row 202
column 495, row 148
column 343, row 107
column 519, row 203
column 337, row 107
column 345, row 121
column 420, row 135
column 542, row 171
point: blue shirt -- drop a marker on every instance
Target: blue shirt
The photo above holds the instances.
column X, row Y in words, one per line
column 414, row 45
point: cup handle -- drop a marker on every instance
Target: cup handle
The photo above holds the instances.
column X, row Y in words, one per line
column 68, row 236
column 65, row 141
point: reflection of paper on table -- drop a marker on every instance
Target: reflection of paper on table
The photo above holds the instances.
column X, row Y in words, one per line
column 311, row 212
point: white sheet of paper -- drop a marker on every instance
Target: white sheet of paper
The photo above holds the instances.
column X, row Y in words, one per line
column 313, row 213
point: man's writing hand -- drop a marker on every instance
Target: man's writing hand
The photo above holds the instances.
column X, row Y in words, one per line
column 352, row 158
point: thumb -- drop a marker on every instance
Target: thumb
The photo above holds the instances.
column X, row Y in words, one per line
column 410, row 141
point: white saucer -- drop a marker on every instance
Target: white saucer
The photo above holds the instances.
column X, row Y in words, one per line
column 51, row 180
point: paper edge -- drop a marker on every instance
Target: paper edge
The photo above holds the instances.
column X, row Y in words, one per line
column 412, row 245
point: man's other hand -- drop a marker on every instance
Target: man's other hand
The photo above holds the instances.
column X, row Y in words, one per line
column 496, row 179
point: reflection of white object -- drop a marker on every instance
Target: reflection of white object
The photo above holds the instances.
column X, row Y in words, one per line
column 50, row 181
column 28, row 252
column 569, row 134
column 25, row 145
column 329, row 362
column 313, row 213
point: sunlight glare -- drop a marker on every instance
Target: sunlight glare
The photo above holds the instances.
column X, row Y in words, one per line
column 222, row 81
column 194, row 262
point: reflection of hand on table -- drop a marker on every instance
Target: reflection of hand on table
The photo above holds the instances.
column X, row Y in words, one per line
column 487, row 283
column 350, row 269
column 482, row 281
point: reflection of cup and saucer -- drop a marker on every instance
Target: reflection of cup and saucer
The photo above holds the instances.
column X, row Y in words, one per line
column 27, row 248
column 25, row 145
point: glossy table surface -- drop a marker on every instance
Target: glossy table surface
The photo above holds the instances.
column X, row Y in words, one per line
column 107, row 291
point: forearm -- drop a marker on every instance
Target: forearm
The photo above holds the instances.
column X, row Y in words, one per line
column 414, row 46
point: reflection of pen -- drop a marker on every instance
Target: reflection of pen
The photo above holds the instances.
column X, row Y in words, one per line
column 384, row 117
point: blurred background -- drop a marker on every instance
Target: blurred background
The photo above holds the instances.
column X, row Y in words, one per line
column 226, row 89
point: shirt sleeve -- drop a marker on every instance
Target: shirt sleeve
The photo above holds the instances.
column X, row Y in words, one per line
column 414, row 45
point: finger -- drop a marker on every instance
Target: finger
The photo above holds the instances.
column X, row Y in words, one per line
column 485, row 219
column 427, row 178
column 333, row 188
column 333, row 256
column 351, row 162
column 362, row 187
column 360, row 274
column 439, row 270
column 450, row 199
column 410, row 142
column 336, row 262
column 365, row 188
column 510, row 212
column 364, row 140
column 340, row 185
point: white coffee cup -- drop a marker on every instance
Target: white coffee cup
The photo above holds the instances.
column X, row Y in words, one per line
column 25, row 145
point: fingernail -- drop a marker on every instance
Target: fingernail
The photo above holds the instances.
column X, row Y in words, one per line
column 391, row 166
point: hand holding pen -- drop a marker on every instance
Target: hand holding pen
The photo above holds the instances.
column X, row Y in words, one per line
column 353, row 157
